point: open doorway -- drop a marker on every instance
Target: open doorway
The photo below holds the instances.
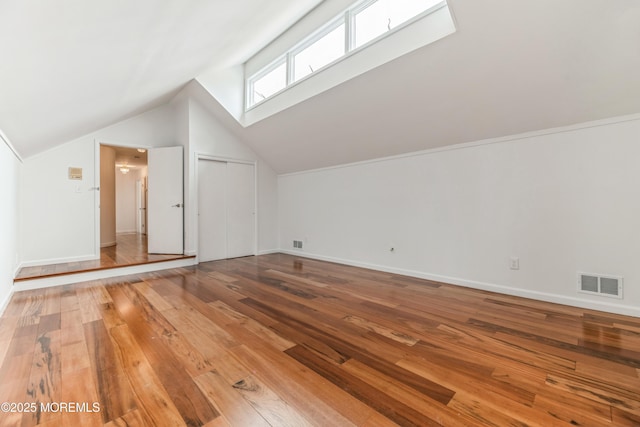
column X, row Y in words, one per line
column 122, row 219
column 123, row 199
column 141, row 200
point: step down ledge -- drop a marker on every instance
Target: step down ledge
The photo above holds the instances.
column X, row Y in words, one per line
column 84, row 276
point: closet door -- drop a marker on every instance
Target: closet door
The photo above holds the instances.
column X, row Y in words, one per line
column 226, row 210
column 212, row 210
column 240, row 210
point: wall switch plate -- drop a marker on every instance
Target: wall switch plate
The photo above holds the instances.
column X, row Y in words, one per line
column 514, row 263
column 75, row 173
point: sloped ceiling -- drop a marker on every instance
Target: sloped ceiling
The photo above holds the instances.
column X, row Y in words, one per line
column 71, row 67
column 512, row 67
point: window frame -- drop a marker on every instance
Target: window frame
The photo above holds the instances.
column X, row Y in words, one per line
column 250, row 91
column 348, row 19
column 310, row 40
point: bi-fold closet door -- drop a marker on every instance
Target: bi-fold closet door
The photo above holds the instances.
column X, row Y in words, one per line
column 226, row 210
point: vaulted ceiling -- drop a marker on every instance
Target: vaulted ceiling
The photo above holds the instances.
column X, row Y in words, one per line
column 69, row 67
column 73, row 66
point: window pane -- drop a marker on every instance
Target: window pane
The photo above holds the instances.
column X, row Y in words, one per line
column 385, row 15
column 324, row 51
column 270, row 83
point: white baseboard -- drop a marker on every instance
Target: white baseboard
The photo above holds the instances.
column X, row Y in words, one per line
column 269, row 251
column 37, row 263
column 17, row 269
column 67, row 279
column 4, row 303
column 525, row 293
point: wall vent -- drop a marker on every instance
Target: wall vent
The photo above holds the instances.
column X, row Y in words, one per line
column 598, row 284
column 297, row 244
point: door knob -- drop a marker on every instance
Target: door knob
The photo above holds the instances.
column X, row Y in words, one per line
column 179, row 205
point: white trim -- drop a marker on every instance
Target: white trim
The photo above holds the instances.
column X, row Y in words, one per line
column 126, row 232
column 464, row 145
column 256, row 224
column 96, row 199
column 4, row 304
column 203, row 156
column 18, row 267
column 40, row 262
column 68, row 279
column 269, row 251
column 10, row 146
column 492, row 287
column 250, row 82
column 317, row 35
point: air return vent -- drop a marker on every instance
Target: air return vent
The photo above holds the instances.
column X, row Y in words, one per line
column 598, row 284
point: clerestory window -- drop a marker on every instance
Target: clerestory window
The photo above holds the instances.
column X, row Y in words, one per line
column 365, row 22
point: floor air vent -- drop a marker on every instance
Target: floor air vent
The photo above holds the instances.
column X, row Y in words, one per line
column 597, row 284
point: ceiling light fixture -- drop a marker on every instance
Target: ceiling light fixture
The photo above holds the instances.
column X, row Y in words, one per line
column 124, row 170
column 141, row 150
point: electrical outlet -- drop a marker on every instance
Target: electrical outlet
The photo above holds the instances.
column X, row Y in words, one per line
column 514, row 263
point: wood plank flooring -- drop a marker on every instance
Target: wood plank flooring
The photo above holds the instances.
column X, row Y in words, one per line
column 278, row 340
column 131, row 249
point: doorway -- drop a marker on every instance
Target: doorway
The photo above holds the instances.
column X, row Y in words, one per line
column 226, row 209
column 123, row 196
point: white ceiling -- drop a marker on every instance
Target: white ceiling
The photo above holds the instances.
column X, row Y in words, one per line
column 71, row 67
column 513, row 66
column 130, row 157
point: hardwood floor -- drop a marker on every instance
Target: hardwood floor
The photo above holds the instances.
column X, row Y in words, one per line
column 285, row 341
column 131, row 249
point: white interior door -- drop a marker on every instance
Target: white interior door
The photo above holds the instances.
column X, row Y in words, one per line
column 165, row 203
column 241, row 210
column 212, row 210
column 226, row 210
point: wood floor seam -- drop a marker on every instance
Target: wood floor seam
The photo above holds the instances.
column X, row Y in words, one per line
column 280, row 340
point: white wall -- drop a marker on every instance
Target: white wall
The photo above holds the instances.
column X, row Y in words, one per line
column 126, row 211
column 10, row 167
column 59, row 215
column 227, row 86
column 207, row 136
column 67, row 232
column 563, row 201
